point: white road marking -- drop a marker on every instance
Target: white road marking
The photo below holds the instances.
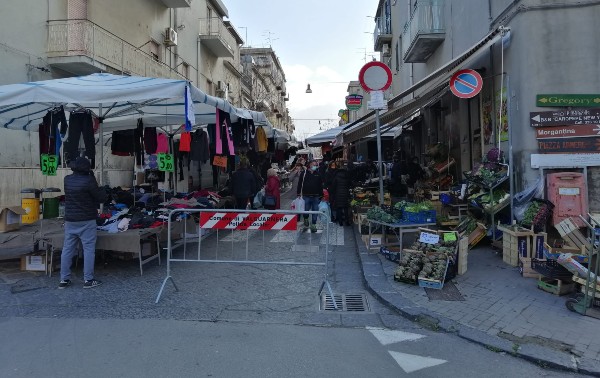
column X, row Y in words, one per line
column 412, row 362
column 388, row 336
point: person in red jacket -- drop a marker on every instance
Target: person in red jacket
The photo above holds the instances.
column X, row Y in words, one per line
column 272, row 189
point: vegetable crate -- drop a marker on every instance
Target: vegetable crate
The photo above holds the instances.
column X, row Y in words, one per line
column 433, row 284
column 476, row 235
column 570, row 233
column 551, row 269
column 555, row 286
column 552, row 253
column 463, row 255
column 516, row 242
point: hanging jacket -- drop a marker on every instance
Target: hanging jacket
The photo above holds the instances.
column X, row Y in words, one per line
column 261, row 140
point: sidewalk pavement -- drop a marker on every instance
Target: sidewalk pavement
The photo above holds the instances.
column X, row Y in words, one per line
column 501, row 310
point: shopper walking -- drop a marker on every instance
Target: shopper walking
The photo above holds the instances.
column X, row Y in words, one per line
column 310, row 188
column 82, row 197
column 243, row 185
column 341, row 186
column 272, row 190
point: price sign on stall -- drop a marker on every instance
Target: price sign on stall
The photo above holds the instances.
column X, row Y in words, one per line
column 449, row 236
column 428, row 238
column 49, row 164
column 165, row 162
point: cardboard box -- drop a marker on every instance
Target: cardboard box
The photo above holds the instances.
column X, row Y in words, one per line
column 376, row 241
column 10, row 218
column 33, row 262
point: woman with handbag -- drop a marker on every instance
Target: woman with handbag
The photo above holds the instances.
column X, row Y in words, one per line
column 272, row 192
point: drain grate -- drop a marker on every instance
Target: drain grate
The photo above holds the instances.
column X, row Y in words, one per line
column 344, row 302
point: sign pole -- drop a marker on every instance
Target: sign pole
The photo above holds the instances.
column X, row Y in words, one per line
column 379, row 160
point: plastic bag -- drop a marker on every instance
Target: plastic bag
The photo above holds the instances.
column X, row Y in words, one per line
column 522, row 199
column 324, row 208
column 298, row 204
column 259, row 198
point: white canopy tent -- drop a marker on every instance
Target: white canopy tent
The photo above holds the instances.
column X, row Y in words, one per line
column 118, row 100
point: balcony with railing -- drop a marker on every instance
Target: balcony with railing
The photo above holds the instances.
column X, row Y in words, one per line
column 215, row 35
column 81, row 47
column 383, row 32
column 234, row 66
column 424, row 32
column 177, row 3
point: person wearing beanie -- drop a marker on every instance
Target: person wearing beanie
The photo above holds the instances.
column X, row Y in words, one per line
column 272, row 189
column 82, row 197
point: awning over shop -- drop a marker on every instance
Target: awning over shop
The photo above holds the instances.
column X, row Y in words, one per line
column 431, row 88
column 324, row 137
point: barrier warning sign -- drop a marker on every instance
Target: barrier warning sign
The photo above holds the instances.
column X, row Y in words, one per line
column 248, row 221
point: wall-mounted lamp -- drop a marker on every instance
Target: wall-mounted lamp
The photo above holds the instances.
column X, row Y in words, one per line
column 308, row 90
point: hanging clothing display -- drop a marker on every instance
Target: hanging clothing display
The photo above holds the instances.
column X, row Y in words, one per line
column 261, row 140
column 129, row 143
column 224, row 127
column 150, row 140
column 162, row 144
column 185, row 142
column 49, row 131
column 81, row 125
column 199, row 147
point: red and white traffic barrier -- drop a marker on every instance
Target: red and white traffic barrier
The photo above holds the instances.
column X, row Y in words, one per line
column 248, row 221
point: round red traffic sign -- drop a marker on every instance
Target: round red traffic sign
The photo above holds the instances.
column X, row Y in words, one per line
column 466, row 83
column 375, row 76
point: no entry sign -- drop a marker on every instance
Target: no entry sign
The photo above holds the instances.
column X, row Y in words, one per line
column 375, row 76
column 466, row 83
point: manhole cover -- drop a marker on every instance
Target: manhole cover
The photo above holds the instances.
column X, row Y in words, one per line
column 344, row 302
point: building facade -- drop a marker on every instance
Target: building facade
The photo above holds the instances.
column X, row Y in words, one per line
column 265, row 81
column 520, row 48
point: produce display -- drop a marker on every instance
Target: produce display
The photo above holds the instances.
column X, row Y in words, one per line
column 537, row 214
column 376, row 213
column 409, row 267
column 486, row 200
column 434, row 267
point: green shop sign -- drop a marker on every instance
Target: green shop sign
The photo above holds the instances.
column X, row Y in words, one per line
column 581, row 100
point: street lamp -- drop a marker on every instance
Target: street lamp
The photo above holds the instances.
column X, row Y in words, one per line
column 308, row 90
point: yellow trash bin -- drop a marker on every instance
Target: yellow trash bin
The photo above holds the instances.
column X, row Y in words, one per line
column 32, row 206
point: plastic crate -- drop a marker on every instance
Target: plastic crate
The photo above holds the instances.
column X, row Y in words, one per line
column 427, row 216
column 551, row 269
column 410, row 217
column 390, row 253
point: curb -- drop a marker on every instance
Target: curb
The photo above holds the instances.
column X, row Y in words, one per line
column 377, row 284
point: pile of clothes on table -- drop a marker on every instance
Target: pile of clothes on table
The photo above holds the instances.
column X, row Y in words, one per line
column 139, row 208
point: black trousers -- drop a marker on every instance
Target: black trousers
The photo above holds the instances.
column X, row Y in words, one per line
column 80, row 124
column 343, row 215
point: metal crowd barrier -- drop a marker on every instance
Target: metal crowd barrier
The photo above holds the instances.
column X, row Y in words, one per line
column 240, row 221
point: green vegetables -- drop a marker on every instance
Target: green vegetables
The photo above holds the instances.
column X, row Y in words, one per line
column 531, row 212
column 376, row 213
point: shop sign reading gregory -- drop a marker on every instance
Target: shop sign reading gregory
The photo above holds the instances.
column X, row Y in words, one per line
column 354, row 101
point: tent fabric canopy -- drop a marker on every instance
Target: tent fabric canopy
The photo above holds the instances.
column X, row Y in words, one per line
column 324, row 137
column 118, row 100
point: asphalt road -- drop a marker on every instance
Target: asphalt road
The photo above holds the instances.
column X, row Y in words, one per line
column 171, row 348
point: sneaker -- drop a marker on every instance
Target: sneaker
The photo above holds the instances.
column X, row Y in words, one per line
column 91, row 283
column 313, row 228
column 64, row 283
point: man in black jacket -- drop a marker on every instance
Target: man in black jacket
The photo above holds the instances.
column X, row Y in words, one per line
column 243, row 185
column 82, row 196
column 310, row 187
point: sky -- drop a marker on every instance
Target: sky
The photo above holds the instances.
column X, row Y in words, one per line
column 321, row 42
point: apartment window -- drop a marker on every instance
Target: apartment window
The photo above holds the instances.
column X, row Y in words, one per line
column 154, row 50
column 210, row 88
column 185, row 70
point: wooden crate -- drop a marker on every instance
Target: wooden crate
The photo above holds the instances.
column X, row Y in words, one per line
column 476, row 235
column 516, row 243
column 556, row 287
column 525, row 268
column 463, row 255
column 572, row 235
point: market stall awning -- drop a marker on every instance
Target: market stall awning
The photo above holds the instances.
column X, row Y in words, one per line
column 324, row 136
column 430, row 89
column 111, row 97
